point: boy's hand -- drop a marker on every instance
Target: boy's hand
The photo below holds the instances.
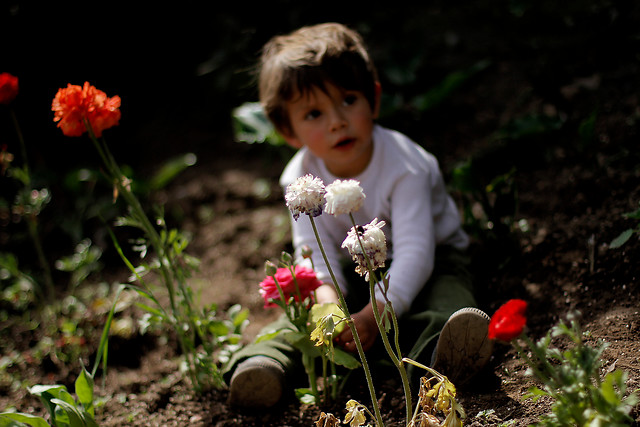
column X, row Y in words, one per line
column 326, row 293
column 365, row 323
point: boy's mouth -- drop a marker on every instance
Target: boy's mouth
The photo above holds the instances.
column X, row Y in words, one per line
column 344, row 142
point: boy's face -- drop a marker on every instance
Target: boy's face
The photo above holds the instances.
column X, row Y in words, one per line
column 336, row 126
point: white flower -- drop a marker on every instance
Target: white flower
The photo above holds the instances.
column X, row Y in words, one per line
column 344, row 196
column 305, row 195
column 374, row 243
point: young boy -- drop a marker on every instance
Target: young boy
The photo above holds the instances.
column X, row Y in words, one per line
column 320, row 89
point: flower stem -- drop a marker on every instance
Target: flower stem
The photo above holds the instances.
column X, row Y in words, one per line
column 354, row 332
column 309, row 367
column 281, row 293
column 395, row 358
column 32, row 222
column 23, row 147
column 168, row 269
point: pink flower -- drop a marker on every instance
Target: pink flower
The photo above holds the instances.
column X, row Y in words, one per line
column 305, row 277
column 509, row 320
column 8, row 88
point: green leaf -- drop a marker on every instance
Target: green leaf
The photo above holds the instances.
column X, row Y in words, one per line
column 75, row 417
column 218, row 328
column 533, row 124
column 7, row 420
column 302, row 342
column 251, row 125
column 238, row 314
column 89, row 421
column 534, row 393
column 171, row 169
column 47, row 393
column 104, row 338
column 448, row 85
column 269, row 335
column 65, row 396
column 341, row 357
column 151, row 310
column 304, row 395
column 40, row 390
column 632, row 215
column 621, row 239
column 318, row 311
column 84, row 390
column 464, row 178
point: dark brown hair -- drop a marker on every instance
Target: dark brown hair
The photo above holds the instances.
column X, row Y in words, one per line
column 312, row 57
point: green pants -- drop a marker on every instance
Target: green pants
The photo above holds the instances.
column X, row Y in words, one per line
column 449, row 289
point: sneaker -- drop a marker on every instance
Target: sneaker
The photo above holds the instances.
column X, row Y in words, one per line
column 257, row 382
column 463, row 347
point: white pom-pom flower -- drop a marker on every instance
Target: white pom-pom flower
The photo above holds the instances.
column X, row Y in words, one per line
column 373, row 242
column 343, row 197
column 305, row 196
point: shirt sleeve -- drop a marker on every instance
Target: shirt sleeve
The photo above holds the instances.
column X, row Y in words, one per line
column 415, row 201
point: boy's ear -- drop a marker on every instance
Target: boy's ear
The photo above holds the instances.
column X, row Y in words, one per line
column 378, row 94
column 290, row 138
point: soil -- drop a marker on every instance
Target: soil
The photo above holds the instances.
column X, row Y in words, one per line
column 572, row 192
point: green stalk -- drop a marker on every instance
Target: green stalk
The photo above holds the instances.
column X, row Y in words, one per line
column 550, row 375
column 137, row 210
column 296, row 304
column 23, row 147
column 396, row 359
column 551, row 380
column 32, row 223
column 281, row 293
column 354, row 332
column 309, row 367
column 325, row 389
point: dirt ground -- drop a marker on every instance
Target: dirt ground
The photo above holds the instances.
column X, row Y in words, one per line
column 234, row 209
column 568, row 201
column 571, row 191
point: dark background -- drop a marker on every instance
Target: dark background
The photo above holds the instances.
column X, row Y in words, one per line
column 191, row 61
column 180, row 68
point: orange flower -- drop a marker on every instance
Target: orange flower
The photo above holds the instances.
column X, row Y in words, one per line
column 8, row 88
column 73, row 105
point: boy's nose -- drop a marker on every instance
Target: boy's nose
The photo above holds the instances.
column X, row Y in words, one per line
column 338, row 120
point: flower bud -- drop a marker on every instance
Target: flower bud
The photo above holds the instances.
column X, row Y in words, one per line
column 270, row 268
column 286, row 258
column 306, row 251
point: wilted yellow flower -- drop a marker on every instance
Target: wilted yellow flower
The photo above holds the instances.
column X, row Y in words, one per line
column 327, row 420
column 355, row 414
column 324, row 316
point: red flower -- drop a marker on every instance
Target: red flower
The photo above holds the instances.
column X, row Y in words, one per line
column 508, row 321
column 305, row 278
column 71, row 106
column 8, row 88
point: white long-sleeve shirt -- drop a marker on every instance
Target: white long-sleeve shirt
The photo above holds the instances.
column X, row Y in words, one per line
column 404, row 187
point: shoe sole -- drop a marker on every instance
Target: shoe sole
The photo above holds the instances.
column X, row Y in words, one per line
column 257, row 382
column 463, row 347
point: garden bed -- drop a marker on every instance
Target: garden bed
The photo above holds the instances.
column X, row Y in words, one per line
column 574, row 183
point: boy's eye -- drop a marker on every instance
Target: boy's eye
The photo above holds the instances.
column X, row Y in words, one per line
column 313, row 114
column 350, row 99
